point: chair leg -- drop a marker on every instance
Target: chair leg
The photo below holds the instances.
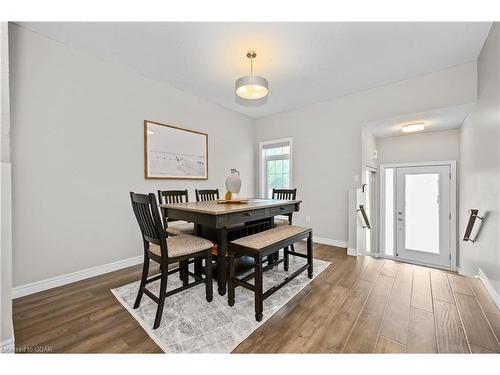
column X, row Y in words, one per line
column 183, row 272
column 209, row 287
column 258, row 290
column 144, row 277
column 310, row 256
column 230, row 282
column 270, row 259
column 286, row 256
column 161, row 302
column 198, row 266
column 292, row 247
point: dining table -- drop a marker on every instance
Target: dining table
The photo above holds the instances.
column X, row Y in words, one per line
column 215, row 219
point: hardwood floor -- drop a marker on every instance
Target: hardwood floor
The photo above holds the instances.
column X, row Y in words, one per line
column 357, row 305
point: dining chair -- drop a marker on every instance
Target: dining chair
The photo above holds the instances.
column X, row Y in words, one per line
column 174, row 227
column 206, row 195
column 165, row 251
column 284, row 194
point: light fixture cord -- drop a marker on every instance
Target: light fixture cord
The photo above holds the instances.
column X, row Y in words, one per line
column 251, row 65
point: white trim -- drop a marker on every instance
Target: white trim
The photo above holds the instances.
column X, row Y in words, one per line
column 262, row 183
column 331, row 242
column 352, row 252
column 489, row 287
column 54, row 282
column 7, row 346
column 409, row 261
column 422, row 164
column 453, row 205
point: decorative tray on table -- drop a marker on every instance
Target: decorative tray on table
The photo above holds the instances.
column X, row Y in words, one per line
column 235, row 200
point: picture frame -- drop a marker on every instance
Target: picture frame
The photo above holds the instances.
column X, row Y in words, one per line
column 172, row 152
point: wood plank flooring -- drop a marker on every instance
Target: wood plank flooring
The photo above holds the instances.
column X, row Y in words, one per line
column 357, row 305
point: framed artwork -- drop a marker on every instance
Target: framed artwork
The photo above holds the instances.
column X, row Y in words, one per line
column 173, row 152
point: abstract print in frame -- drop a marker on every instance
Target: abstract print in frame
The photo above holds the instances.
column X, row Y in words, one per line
column 173, row 152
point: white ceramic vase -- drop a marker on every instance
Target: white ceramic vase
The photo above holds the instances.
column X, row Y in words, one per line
column 233, row 182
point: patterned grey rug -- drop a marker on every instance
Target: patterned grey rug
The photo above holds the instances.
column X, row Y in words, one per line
column 192, row 325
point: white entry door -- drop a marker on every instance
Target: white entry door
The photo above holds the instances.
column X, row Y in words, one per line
column 423, row 214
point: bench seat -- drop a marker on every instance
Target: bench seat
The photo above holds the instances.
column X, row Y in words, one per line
column 263, row 240
column 261, row 245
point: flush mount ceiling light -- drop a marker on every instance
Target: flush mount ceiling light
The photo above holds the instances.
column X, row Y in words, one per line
column 252, row 87
column 415, row 127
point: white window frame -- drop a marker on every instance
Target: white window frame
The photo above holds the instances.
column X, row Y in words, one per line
column 262, row 160
column 453, row 207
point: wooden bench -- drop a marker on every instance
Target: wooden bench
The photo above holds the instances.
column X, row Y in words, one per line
column 259, row 246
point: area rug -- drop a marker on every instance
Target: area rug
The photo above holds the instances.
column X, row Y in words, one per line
column 192, row 325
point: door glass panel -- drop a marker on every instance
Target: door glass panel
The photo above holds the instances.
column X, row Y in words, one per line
column 422, row 212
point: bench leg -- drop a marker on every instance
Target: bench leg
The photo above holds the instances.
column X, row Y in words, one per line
column 310, row 256
column 230, row 286
column 258, row 290
column 286, row 256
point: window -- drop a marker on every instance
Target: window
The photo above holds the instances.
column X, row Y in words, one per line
column 276, row 171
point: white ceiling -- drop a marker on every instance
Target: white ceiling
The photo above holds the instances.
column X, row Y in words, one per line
column 436, row 120
column 305, row 63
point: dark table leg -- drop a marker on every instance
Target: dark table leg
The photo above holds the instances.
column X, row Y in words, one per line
column 221, row 261
column 198, row 266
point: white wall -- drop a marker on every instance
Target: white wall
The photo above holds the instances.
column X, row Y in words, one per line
column 77, row 151
column 369, row 148
column 327, row 138
column 414, row 148
column 480, row 166
column 6, row 328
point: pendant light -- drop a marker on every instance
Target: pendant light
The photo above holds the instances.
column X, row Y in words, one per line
column 252, row 87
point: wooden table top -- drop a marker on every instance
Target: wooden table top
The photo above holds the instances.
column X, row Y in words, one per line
column 214, row 208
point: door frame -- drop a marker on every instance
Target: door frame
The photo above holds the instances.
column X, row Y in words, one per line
column 453, row 208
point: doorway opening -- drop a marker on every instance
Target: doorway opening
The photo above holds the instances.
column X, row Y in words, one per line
column 418, row 213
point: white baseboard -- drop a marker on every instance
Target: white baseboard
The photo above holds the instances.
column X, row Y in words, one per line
column 54, row 282
column 7, row 346
column 352, row 252
column 489, row 288
column 328, row 241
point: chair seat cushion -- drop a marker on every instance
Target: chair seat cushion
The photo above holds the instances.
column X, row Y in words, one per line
column 278, row 222
column 180, row 228
column 269, row 237
column 183, row 244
